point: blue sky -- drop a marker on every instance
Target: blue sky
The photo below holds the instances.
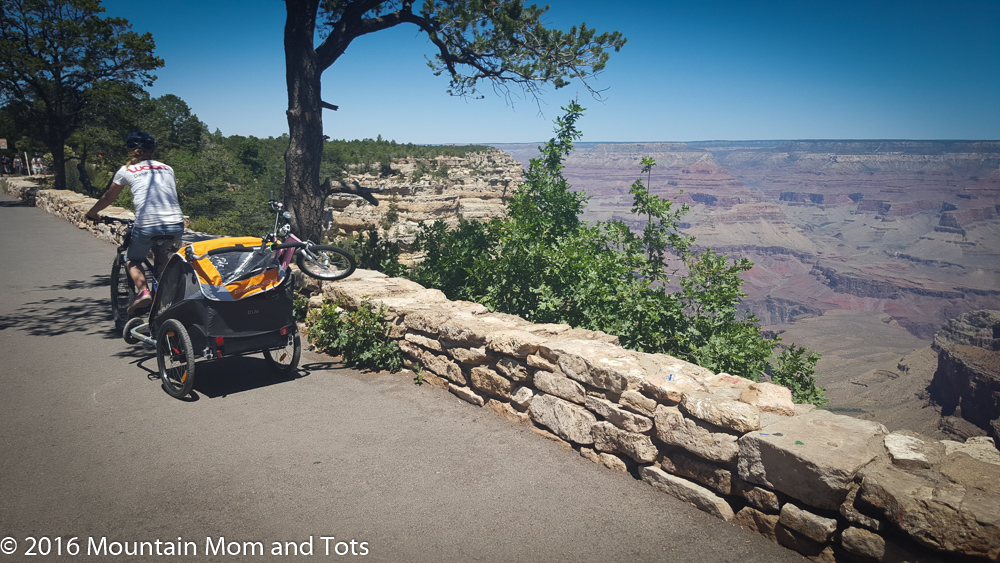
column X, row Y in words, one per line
column 691, row 70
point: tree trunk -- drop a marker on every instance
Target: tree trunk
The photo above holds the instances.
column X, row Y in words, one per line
column 58, row 151
column 304, row 196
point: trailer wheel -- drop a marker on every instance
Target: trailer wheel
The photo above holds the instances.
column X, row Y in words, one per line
column 285, row 360
column 175, row 358
column 129, row 327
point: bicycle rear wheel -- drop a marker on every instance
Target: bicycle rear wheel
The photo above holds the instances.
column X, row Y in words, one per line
column 122, row 291
column 325, row 262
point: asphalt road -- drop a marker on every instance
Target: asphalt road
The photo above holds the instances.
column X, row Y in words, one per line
column 92, row 448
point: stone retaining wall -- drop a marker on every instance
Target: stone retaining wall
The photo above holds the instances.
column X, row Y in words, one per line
column 829, row 486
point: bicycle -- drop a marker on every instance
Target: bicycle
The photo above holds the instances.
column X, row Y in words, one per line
column 321, row 261
column 122, row 287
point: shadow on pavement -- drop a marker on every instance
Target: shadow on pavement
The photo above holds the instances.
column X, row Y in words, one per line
column 57, row 316
column 61, row 315
column 227, row 376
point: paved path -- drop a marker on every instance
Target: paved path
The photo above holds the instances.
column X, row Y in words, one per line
column 91, row 447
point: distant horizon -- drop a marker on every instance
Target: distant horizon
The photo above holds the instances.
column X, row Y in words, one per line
column 805, row 140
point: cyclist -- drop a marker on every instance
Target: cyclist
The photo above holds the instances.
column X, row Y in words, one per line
column 157, row 212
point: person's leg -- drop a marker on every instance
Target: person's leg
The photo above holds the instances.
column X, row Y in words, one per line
column 138, row 278
column 138, row 247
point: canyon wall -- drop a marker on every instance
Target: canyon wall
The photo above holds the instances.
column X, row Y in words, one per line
column 474, row 187
column 967, row 380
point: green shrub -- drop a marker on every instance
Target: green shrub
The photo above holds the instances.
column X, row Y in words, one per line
column 300, row 307
column 794, row 369
column 360, row 337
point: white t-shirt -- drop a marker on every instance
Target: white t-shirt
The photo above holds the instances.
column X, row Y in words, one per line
column 154, row 192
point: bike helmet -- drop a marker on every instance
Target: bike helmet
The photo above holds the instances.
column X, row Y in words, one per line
column 140, row 140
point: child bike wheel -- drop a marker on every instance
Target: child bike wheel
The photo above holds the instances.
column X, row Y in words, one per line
column 325, row 262
column 175, row 358
column 285, row 360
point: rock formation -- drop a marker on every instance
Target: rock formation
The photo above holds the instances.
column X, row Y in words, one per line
column 967, row 380
column 474, row 187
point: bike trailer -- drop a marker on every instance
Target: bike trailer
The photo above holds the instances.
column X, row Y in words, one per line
column 230, row 300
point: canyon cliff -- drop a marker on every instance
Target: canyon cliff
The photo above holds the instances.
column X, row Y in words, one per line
column 475, row 187
column 967, row 380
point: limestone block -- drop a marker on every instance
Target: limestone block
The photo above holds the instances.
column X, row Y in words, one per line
column 517, row 343
column 610, row 461
column 637, row 402
column 506, row 411
column 721, row 411
column 813, row 458
column 316, row 301
column 470, row 331
column 859, row 542
column 590, row 454
column 854, row 516
column 869, row 546
column 423, row 341
column 356, row 289
column 468, row 308
column 521, row 397
column 911, row 452
column 427, row 321
column 549, row 330
column 619, row 416
column 560, row 386
column 697, row 437
column 757, row 521
column 610, row 438
column 513, row 369
column 727, row 382
column 793, row 540
column 936, row 512
column 490, row 382
column 977, row 447
column 810, row 525
column 538, row 361
column 469, row 356
column 690, row 466
column 394, row 308
column 769, row 397
column 758, row 497
column 568, row 421
column 687, row 491
column 971, row 473
column 613, row 462
column 466, row 394
column 668, row 377
column 438, row 365
column 595, row 363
